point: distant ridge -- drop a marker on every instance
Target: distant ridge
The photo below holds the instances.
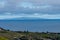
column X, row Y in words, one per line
column 30, row 20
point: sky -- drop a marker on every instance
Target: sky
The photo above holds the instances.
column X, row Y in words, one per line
column 29, row 9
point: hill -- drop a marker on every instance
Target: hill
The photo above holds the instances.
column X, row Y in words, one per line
column 25, row 35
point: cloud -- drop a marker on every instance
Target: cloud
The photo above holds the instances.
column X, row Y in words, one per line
column 2, row 4
column 28, row 5
column 25, row 4
column 46, row 9
column 30, row 16
column 7, row 13
column 2, row 17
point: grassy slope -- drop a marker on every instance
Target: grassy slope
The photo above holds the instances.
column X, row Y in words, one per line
column 8, row 35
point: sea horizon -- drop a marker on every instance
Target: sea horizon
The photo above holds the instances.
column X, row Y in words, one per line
column 31, row 25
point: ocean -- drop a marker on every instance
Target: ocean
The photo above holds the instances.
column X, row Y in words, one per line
column 31, row 25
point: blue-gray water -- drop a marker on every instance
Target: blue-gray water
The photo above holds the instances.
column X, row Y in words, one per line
column 31, row 25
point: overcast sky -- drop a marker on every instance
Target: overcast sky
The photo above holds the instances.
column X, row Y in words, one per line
column 45, row 9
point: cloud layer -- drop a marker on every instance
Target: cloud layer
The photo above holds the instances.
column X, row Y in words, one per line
column 46, row 9
column 29, row 16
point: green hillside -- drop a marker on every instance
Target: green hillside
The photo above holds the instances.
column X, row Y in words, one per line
column 25, row 35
